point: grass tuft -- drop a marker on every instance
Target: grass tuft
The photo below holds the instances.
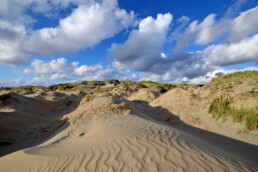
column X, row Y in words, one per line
column 220, row 108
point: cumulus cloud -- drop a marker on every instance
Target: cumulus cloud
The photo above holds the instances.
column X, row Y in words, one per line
column 86, row 26
column 226, row 54
column 61, row 70
column 60, row 77
column 85, row 69
column 143, row 47
column 141, row 53
column 210, row 29
column 16, row 10
column 45, row 68
column 232, row 39
column 102, row 75
column 11, row 34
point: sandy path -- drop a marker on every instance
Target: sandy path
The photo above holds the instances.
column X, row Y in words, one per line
column 128, row 143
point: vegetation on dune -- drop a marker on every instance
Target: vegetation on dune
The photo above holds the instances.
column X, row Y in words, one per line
column 131, row 83
column 184, row 85
column 237, row 75
column 95, row 83
column 29, row 88
column 163, row 85
column 220, row 108
column 61, row 87
column 235, row 78
column 112, row 81
column 3, row 99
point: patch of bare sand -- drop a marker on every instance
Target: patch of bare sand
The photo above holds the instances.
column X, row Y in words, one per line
column 29, row 118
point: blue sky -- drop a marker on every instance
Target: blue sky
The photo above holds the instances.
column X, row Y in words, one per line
column 56, row 41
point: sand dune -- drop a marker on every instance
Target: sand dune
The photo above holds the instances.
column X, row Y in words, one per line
column 97, row 138
column 29, row 118
column 128, row 143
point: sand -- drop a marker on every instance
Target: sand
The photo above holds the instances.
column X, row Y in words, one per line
column 128, row 143
column 107, row 132
column 110, row 133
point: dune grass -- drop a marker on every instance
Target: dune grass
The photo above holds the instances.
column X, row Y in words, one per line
column 220, row 108
column 236, row 77
column 166, row 86
column 130, row 84
column 29, row 88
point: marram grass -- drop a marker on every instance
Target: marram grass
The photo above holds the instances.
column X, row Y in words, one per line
column 220, row 108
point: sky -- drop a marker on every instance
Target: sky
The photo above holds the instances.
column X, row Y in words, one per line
column 46, row 42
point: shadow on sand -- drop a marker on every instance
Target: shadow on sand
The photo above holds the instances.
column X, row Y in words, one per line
column 27, row 136
column 235, row 149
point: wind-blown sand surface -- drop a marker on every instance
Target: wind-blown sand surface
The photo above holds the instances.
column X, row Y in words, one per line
column 129, row 143
column 108, row 133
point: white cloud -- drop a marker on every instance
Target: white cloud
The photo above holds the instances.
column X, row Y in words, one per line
column 143, row 47
column 200, row 32
column 61, row 70
column 210, row 30
column 102, row 75
column 86, row 26
column 84, row 70
column 16, row 9
column 132, row 77
column 60, row 77
column 45, row 68
column 163, row 55
column 225, row 54
column 244, row 25
column 11, row 34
